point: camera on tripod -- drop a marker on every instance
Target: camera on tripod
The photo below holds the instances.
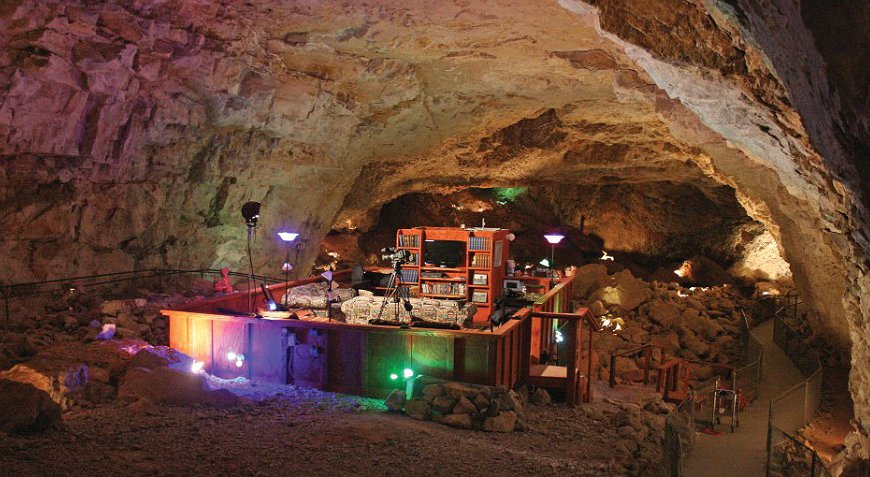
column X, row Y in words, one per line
column 393, row 255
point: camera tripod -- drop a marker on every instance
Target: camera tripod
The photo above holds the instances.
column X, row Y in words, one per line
column 396, row 292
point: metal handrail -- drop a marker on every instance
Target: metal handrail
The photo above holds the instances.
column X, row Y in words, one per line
column 805, row 383
column 35, row 288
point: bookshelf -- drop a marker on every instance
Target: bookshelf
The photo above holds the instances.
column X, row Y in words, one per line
column 479, row 278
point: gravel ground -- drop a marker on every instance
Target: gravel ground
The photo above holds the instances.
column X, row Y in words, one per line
column 298, row 431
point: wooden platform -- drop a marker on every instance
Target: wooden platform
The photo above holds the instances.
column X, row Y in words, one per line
column 359, row 358
column 341, row 357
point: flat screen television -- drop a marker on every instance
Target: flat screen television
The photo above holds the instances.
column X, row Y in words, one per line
column 445, row 253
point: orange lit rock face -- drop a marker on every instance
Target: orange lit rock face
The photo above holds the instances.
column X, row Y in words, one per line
column 131, row 135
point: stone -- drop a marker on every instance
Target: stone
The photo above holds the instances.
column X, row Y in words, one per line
column 462, row 421
column 503, row 422
column 443, row 404
column 494, row 407
column 148, row 358
column 418, row 409
column 24, row 408
column 540, row 397
column 627, row 293
column 115, row 307
column 456, row 390
column 481, row 401
column 395, row 400
column 510, row 401
column 106, row 332
column 464, row 406
column 58, row 379
column 173, row 387
column 589, row 278
column 664, row 313
column 432, row 391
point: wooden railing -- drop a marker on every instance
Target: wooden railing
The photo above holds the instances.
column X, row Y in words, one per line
column 576, row 389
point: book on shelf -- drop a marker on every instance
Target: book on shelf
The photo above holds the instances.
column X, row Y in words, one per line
column 409, row 275
column 480, row 260
column 443, row 288
column 410, row 240
column 478, row 243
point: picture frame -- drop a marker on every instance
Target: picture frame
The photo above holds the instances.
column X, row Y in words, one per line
column 479, row 296
column 480, row 279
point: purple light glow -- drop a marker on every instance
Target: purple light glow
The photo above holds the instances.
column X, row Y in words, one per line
column 288, row 236
column 553, row 239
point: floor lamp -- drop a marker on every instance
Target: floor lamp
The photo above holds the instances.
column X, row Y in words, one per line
column 288, row 238
column 553, row 239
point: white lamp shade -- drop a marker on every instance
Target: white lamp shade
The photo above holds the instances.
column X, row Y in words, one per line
column 288, row 236
column 554, row 238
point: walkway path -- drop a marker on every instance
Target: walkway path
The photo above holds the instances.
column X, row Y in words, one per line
column 743, row 452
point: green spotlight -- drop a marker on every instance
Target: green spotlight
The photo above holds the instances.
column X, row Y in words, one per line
column 407, row 373
column 394, row 376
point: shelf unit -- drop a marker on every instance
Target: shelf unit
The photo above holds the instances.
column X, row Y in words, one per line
column 478, row 281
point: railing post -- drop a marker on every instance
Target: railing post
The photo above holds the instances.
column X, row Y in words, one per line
column 769, row 439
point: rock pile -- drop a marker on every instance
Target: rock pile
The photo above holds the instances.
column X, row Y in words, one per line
column 74, row 374
column 86, row 317
column 465, row 406
column 699, row 323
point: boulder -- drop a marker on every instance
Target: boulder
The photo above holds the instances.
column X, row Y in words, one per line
column 418, row 409
column 702, row 271
column 395, row 400
column 57, row 379
column 431, row 391
column 481, row 401
column 115, row 307
column 149, row 359
column 464, row 406
column 589, row 278
column 503, row 422
column 510, row 401
column 694, row 344
column 627, row 293
column 540, row 397
column 456, row 390
column 664, row 313
column 443, row 404
column 174, row 387
column 24, row 408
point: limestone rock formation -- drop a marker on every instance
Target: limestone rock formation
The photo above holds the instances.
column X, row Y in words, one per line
column 131, row 132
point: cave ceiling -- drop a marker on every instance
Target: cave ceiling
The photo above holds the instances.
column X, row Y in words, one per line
column 131, row 132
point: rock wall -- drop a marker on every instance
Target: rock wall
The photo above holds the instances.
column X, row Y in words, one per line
column 131, row 132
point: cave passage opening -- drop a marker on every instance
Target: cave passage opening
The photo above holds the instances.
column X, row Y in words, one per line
column 651, row 227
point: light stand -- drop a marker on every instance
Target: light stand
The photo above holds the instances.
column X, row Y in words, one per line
column 251, row 213
column 327, row 275
column 287, row 237
column 396, row 292
column 553, row 239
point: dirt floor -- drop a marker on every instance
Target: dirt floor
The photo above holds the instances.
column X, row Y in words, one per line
column 308, row 432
